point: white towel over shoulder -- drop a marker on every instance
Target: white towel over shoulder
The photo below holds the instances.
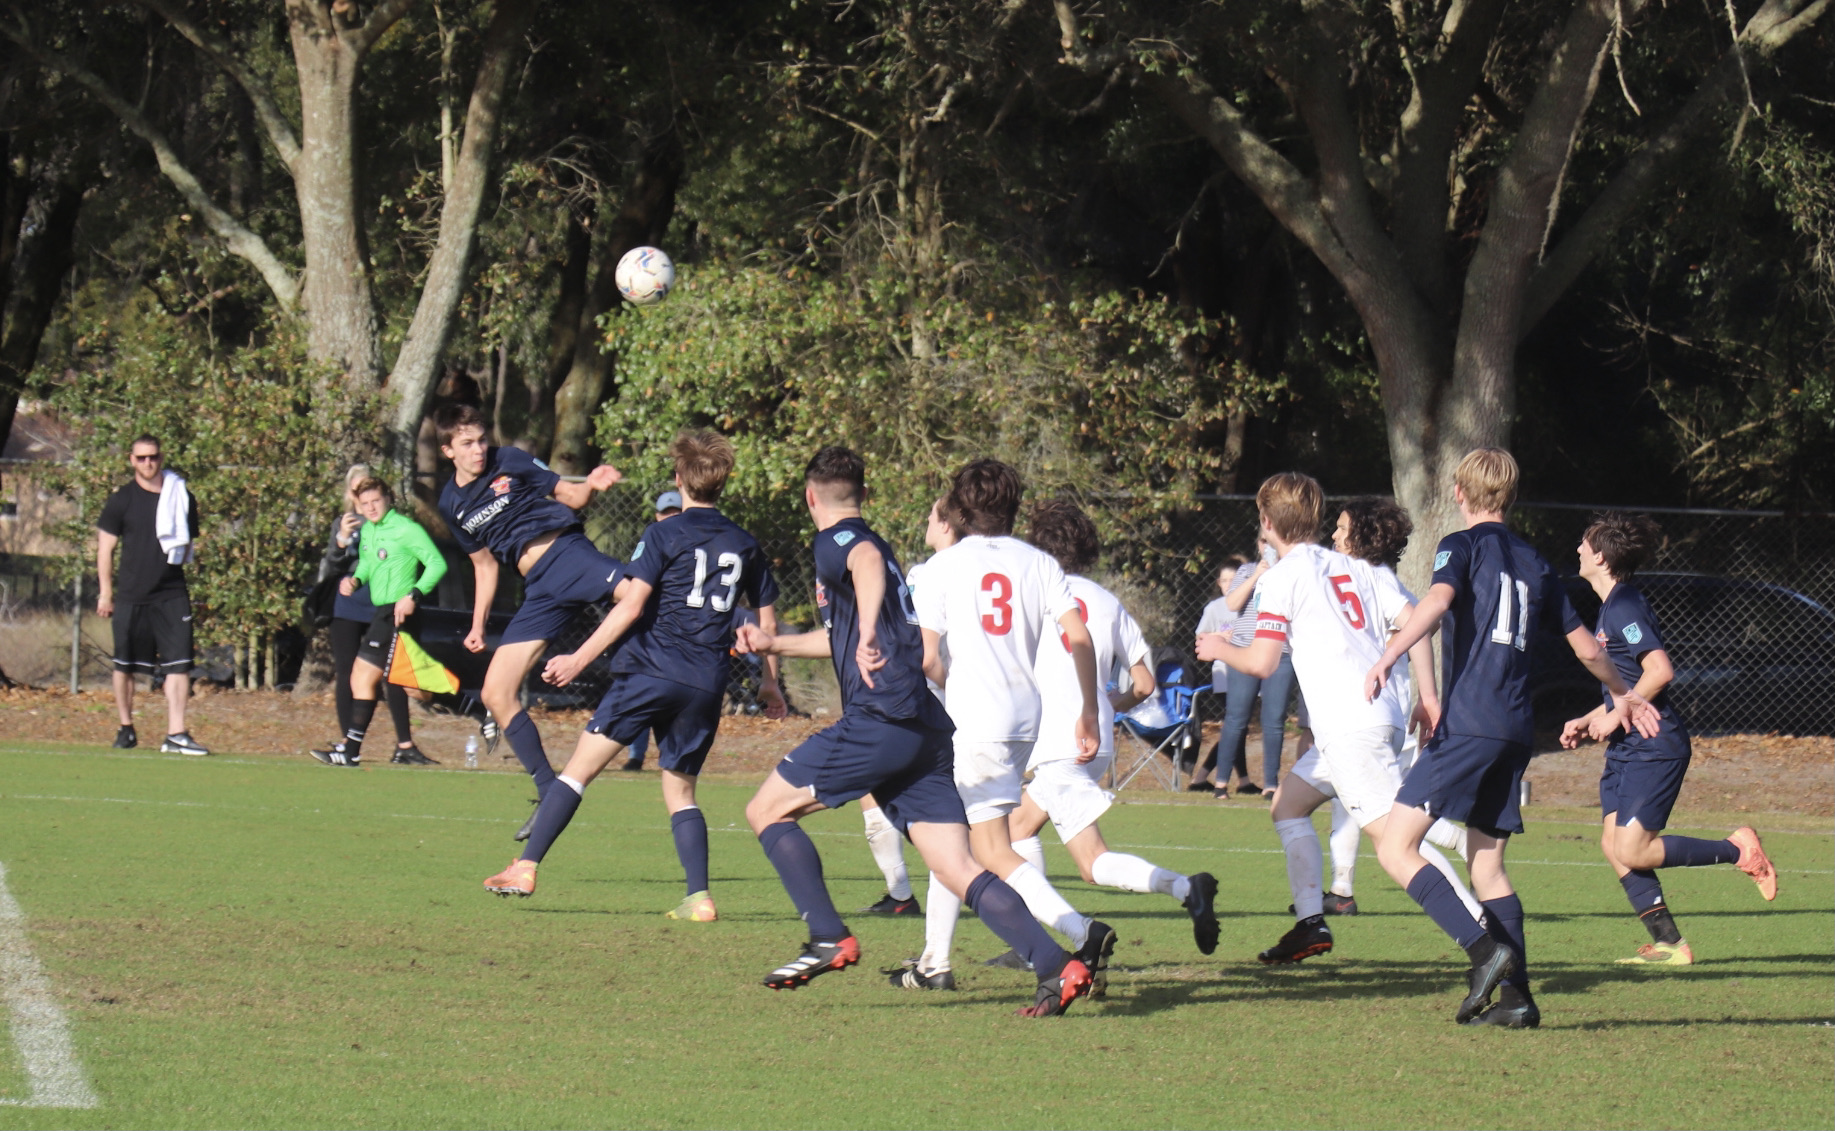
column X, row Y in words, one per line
column 172, row 521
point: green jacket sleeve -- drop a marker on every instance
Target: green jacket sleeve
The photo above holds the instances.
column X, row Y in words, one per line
column 419, row 543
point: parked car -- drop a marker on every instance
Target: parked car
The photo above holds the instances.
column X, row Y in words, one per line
column 1749, row 657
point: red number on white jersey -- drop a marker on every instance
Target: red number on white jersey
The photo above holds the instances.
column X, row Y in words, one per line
column 1083, row 611
column 1353, row 607
column 998, row 621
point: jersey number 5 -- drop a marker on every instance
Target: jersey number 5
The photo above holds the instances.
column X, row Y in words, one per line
column 998, row 620
column 730, row 563
column 1353, row 606
column 1502, row 634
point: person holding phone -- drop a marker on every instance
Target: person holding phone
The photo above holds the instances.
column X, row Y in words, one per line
column 1240, row 690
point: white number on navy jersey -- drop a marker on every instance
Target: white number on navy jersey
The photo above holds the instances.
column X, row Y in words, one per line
column 1502, row 634
column 731, row 563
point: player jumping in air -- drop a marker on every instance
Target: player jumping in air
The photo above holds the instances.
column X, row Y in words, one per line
column 1335, row 612
column 670, row 672
column 1492, row 589
column 893, row 740
column 504, row 505
column 1643, row 775
column 989, row 599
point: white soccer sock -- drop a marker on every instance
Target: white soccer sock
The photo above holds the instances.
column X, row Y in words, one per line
column 579, row 787
column 1131, row 873
column 942, row 908
column 1432, row 855
column 1345, row 835
column 1047, row 906
column 888, row 852
column 1304, row 860
column 1032, row 851
column 1448, row 836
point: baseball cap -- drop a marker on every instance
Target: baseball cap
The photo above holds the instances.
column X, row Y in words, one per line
column 669, row 501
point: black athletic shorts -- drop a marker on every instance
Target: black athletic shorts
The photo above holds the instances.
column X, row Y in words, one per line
column 154, row 636
column 379, row 637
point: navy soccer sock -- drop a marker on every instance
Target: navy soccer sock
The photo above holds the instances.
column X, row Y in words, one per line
column 1693, row 852
column 799, row 866
column 361, row 712
column 690, row 830
column 1002, row 909
column 1646, row 895
column 1437, row 897
column 551, row 818
column 1504, row 922
column 527, row 742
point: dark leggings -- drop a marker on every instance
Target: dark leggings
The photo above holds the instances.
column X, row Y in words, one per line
column 346, row 639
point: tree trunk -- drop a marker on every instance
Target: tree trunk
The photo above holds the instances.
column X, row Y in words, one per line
column 564, row 327
column 43, row 260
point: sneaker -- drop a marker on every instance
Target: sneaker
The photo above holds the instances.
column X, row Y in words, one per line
column 336, row 756
column 1056, row 994
column 634, row 766
column 1307, row 939
column 1008, row 960
column 1491, row 964
column 817, row 958
column 1094, row 954
column 528, row 826
column 889, row 906
column 1201, row 905
column 697, row 908
column 183, row 743
column 1336, row 904
column 1754, row 862
column 1661, row 954
column 1515, row 1009
column 911, row 978
column 126, row 739
column 410, row 756
column 517, row 879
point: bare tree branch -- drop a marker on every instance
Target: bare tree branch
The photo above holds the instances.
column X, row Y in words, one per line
column 386, row 15
column 226, row 56
column 239, row 240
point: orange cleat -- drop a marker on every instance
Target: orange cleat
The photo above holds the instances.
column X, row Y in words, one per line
column 1754, row 862
column 1056, row 994
column 517, row 879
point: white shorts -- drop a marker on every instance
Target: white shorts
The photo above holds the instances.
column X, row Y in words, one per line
column 988, row 777
column 1362, row 769
column 1071, row 795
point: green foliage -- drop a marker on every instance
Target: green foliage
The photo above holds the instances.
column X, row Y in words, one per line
column 256, row 433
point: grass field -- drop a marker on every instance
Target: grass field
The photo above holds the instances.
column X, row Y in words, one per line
column 259, row 943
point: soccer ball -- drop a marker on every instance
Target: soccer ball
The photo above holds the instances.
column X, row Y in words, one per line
column 644, row 275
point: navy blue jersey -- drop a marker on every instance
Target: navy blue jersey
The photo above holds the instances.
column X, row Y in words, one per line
column 899, row 692
column 1627, row 631
column 700, row 566
column 507, row 507
column 1502, row 591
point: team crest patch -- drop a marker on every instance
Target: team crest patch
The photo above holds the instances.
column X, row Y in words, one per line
column 1601, row 637
column 844, row 537
column 821, row 595
column 1441, row 558
column 1633, row 634
column 382, row 555
column 501, row 485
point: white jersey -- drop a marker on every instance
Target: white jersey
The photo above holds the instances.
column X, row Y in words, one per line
column 1400, row 686
column 992, row 600
column 1119, row 645
column 911, row 586
column 1337, row 613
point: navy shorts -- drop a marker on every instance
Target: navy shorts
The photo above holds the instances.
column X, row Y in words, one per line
column 1644, row 790
column 572, row 575
column 907, row 767
column 1462, row 777
column 685, row 718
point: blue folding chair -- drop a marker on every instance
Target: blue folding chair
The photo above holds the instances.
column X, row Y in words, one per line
column 1163, row 726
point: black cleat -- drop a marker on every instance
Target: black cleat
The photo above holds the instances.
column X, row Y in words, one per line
column 1200, row 904
column 1094, row 954
column 336, row 757
column 1308, row 939
column 1055, row 994
column 1008, row 960
column 911, row 978
column 410, row 756
column 1492, row 962
column 126, row 739
column 528, row 826
column 1515, row 1009
column 817, row 958
column 633, row 766
column 1336, row 904
column 889, row 906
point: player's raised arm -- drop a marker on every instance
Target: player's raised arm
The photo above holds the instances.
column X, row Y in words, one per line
column 484, row 578
column 754, row 638
column 561, row 670
column 867, row 566
column 577, row 494
column 1420, row 624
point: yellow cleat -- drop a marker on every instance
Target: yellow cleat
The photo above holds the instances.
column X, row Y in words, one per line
column 517, row 879
column 697, row 908
column 1661, row 954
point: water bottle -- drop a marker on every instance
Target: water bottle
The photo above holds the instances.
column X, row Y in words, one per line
column 471, row 752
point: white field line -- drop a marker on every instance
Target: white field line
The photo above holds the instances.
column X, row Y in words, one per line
column 739, row 829
column 40, row 1029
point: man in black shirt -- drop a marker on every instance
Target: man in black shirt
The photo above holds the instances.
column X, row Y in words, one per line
column 155, row 522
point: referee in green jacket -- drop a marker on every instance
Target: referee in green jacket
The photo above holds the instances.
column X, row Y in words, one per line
column 401, row 565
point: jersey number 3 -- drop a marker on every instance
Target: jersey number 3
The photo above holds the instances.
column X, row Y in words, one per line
column 998, row 620
column 1353, row 606
column 730, row 563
